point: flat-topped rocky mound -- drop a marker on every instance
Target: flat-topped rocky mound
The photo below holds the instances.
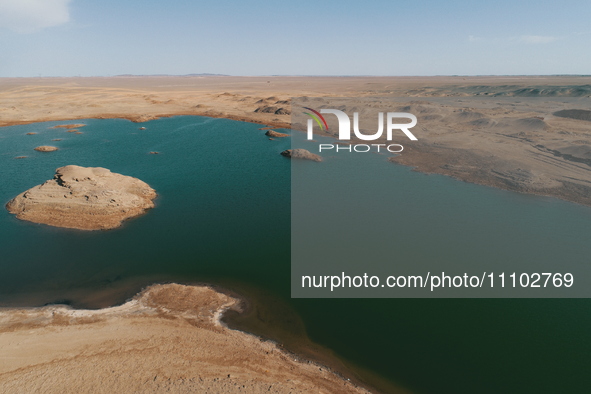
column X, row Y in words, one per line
column 301, row 154
column 273, row 133
column 46, row 148
column 85, row 198
column 69, row 126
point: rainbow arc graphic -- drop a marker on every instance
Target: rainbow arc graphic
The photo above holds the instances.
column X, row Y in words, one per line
column 317, row 117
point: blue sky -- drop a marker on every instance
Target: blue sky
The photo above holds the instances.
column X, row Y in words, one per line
column 454, row 37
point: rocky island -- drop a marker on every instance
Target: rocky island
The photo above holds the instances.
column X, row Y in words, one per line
column 46, row 148
column 301, row 154
column 69, row 126
column 273, row 133
column 84, row 198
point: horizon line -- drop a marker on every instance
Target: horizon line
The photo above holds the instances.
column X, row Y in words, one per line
column 302, row 75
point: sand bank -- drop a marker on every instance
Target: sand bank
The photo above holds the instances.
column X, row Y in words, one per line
column 169, row 337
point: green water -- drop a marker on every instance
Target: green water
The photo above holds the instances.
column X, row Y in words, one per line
column 223, row 216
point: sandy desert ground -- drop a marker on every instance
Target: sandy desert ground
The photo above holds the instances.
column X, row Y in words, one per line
column 167, row 339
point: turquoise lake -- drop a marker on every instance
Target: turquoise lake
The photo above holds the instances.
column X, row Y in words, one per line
column 223, row 217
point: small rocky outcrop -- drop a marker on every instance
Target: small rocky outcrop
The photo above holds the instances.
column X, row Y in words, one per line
column 272, row 110
column 85, row 198
column 46, row 148
column 283, row 111
column 266, row 109
column 301, row 154
column 69, row 126
column 273, row 133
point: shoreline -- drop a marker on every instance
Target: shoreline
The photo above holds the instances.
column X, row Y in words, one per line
column 271, row 124
column 570, row 193
column 155, row 304
column 244, row 316
column 550, row 158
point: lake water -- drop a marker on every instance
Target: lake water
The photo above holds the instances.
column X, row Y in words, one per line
column 223, row 217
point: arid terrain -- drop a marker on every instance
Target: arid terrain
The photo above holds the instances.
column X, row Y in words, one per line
column 496, row 131
column 515, row 133
column 168, row 338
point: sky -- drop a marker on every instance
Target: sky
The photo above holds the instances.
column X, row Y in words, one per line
column 270, row 37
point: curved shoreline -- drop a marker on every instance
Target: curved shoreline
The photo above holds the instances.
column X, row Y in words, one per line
column 158, row 314
column 276, row 324
column 138, row 119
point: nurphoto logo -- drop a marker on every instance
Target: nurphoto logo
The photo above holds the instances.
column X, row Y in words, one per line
column 345, row 130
